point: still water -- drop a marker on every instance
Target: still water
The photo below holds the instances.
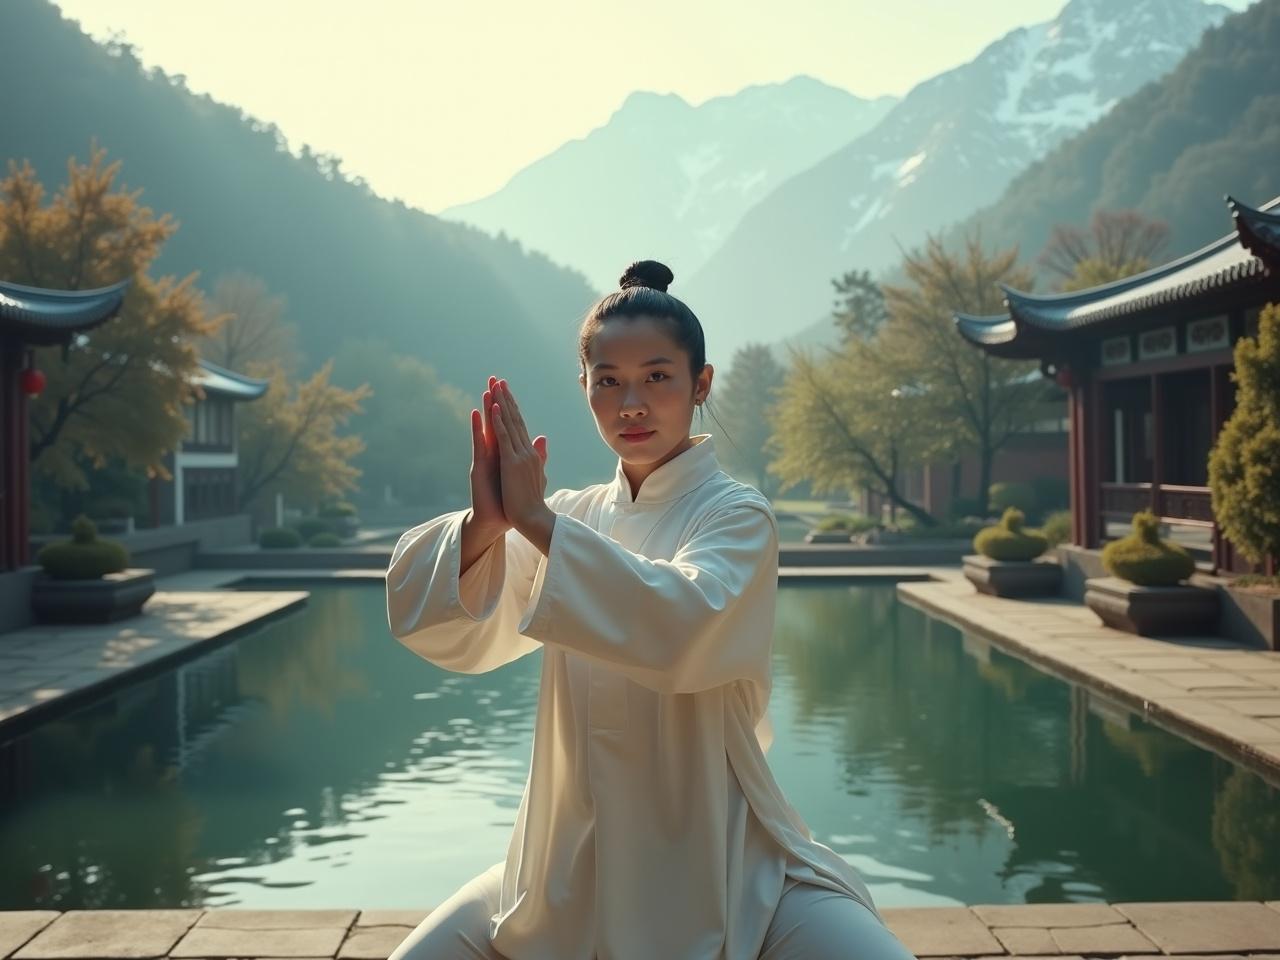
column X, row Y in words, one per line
column 318, row 763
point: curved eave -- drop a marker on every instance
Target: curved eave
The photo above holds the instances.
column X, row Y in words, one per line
column 999, row 335
column 227, row 383
column 1259, row 230
column 39, row 316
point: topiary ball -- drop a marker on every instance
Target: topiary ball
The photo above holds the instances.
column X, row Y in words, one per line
column 1143, row 558
column 1008, row 541
column 84, row 556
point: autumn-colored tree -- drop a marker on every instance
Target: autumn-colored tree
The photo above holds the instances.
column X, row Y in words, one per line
column 253, row 328
column 289, row 440
column 859, row 310
column 978, row 401
column 746, row 400
column 844, row 421
column 117, row 391
column 1118, row 244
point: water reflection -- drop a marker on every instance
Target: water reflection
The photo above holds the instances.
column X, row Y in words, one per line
column 317, row 763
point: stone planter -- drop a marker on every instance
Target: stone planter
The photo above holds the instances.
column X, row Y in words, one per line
column 1152, row 611
column 112, row 597
column 827, row 536
column 1013, row 578
column 1257, row 612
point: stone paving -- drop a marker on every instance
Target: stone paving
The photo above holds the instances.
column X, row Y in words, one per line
column 1186, row 930
column 1211, row 691
column 44, row 664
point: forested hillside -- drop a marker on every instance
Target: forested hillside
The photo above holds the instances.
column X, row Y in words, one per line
column 349, row 263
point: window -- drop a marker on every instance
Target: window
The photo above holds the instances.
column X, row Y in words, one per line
column 208, row 492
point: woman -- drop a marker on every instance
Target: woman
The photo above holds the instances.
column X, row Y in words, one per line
column 650, row 826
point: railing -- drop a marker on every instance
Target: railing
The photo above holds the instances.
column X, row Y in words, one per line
column 1183, row 504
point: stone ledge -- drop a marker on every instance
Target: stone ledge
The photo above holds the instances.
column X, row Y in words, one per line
column 1194, row 700
column 1067, row 931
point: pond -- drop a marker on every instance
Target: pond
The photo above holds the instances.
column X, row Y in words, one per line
column 318, row 763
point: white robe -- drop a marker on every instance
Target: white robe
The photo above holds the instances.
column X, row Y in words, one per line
column 650, row 825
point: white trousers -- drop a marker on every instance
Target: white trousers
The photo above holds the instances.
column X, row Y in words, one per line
column 811, row 923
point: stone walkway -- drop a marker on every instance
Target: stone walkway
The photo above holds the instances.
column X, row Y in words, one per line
column 1227, row 929
column 42, row 666
column 1210, row 691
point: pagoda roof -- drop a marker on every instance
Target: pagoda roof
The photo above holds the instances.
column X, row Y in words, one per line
column 42, row 317
column 1036, row 323
column 227, row 383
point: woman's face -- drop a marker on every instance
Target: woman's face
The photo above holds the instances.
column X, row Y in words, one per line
column 638, row 379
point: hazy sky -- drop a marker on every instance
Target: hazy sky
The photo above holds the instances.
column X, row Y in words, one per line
column 440, row 102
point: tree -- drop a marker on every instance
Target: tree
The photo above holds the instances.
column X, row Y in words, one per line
column 118, row 390
column 1244, row 465
column 977, row 400
column 1119, row 244
column 289, row 439
column 416, row 429
column 844, row 422
column 253, row 328
column 859, row 310
column 746, row 401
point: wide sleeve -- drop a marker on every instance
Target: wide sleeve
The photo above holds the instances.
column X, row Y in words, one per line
column 699, row 620
column 466, row 623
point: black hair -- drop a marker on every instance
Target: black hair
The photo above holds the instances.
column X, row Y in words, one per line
column 642, row 292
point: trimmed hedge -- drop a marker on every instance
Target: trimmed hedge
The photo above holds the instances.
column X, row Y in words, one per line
column 325, row 539
column 279, row 538
column 84, row 556
column 1057, row 527
column 308, row 527
column 339, row 509
column 1008, row 541
column 851, row 522
column 1143, row 558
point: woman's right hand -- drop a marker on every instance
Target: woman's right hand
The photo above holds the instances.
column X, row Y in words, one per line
column 486, row 482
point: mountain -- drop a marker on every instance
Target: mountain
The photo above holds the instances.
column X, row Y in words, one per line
column 1171, row 151
column 349, row 263
column 666, row 180
column 950, row 147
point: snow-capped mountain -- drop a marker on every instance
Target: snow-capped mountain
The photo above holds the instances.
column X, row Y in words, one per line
column 950, row 147
column 666, row 180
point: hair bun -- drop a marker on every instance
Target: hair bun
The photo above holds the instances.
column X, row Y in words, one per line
column 647, row 273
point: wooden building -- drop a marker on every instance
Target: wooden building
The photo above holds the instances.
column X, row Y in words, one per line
column 1146, row 361
column 205, row 466
column 33, row 317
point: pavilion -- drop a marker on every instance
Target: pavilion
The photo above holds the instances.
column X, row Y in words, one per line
column 33, row 317
column 1146, row 362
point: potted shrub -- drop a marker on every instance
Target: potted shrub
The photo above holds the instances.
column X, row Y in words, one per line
column 279, row 538
column 341, row 517
column 1006, row 564
column 88, row 580
column 1146, row 593
column 833, row 528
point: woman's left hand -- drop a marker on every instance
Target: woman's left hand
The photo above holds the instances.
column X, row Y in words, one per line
column 521, row 465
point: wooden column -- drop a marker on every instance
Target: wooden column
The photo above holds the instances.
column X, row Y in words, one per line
column 1092, row 453
column 1220, row 558
column 1075, row 483
column 1157, row 443
column 14, row 485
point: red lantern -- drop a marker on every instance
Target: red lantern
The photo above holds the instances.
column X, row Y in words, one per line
column 31, row 381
